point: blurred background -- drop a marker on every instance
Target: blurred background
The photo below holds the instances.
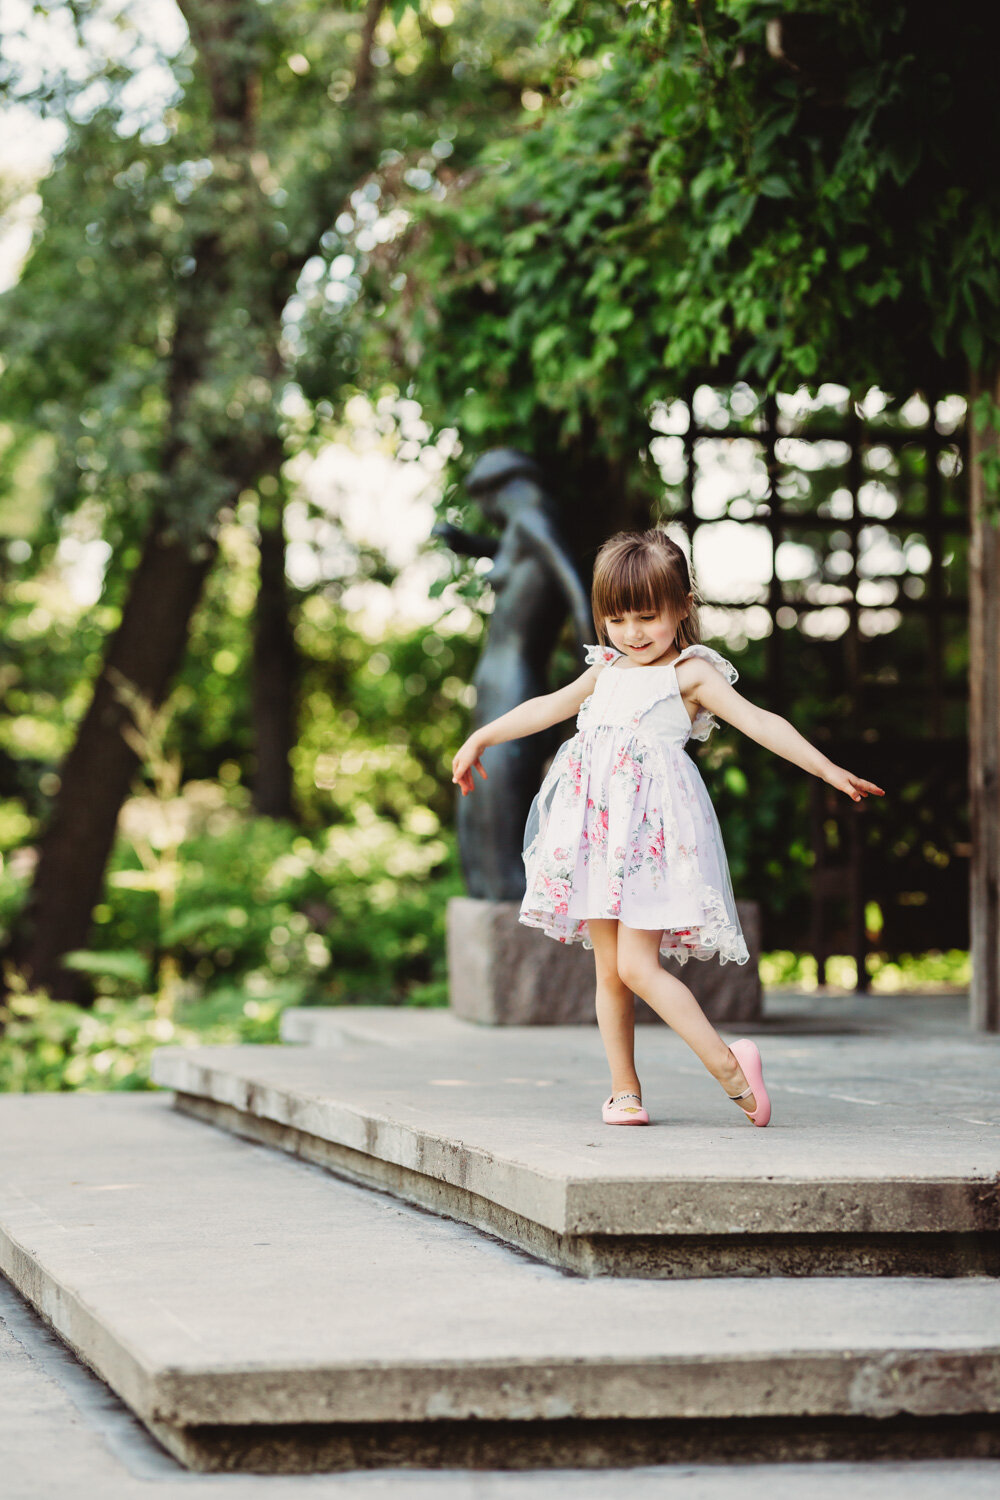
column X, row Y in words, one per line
column 273, row 275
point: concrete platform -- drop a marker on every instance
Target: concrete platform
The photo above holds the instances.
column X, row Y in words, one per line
column 882, row 1157
column 257, row 1314
column 63, row 1432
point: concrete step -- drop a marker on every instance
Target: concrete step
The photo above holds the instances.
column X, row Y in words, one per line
column 882, row 1157
column 258, row 1314
column 62, row 1432
column 59, row 1422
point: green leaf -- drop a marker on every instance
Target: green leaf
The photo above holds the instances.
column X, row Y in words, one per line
column 121, row 964
column 971, row 341
column 189, row 923
column 852, row 255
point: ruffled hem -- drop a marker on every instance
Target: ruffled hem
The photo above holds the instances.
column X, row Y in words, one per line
column 716, row 936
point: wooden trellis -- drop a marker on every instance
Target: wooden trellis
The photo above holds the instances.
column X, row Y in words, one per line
column 917, row 472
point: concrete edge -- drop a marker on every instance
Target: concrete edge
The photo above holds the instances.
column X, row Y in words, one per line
column 78, row 1326
column 786, row 1205
column 579, row 1444
column 514, row 1187
column 642, row 1255
column 628, row 1207
column 876, row 1383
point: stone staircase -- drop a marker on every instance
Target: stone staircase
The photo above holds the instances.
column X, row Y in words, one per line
column 822, row 1289
column 500, row 1129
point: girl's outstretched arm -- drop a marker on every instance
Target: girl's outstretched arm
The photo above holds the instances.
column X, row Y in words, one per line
column 528, row 717
column 712, row 691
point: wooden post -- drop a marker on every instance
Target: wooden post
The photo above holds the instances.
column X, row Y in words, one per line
column 984, row 707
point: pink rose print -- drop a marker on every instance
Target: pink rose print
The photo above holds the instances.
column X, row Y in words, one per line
column 603, row 654
column 624, row 763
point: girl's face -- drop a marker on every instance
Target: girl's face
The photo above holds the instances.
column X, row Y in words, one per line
column 644, row 636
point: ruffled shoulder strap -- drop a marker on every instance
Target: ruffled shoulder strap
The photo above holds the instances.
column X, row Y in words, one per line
column 705, row 722
column 602, row 654
column 718, row 661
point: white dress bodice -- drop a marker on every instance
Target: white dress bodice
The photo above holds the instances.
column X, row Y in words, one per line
column 650, row 697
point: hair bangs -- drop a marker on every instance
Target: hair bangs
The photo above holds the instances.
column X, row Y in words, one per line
column 627, row 582
column 637, row 571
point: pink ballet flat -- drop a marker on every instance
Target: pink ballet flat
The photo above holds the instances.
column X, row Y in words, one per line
column 748, row 1057
column 614, row 1112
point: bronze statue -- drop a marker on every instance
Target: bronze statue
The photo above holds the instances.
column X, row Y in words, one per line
column 534, row 581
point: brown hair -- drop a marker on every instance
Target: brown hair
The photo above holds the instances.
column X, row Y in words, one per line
column 637, row 570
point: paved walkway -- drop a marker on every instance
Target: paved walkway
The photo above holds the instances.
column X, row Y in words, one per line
column 62, row 1431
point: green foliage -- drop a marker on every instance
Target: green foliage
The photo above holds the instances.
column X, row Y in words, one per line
column 738, row 189
column 349, row 906
column 378, row 718
column 52, row 1046
column 353, row 914
column 929, row 973
column 687, row 194
column 51, row 651
column 190, row 228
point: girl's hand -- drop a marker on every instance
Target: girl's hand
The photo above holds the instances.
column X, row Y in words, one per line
column 855, row 786
column 467, row 757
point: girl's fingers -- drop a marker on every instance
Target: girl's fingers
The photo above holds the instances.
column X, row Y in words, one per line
column 464, row 779
column 859, row 788
column 856, row 787
column 461, row 772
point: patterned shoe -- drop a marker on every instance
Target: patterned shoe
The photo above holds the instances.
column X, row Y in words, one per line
column 615, row 1112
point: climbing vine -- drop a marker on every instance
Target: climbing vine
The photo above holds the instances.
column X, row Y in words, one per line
column 781, row 193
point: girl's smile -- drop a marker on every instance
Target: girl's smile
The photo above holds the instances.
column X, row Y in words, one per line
column 643, row 635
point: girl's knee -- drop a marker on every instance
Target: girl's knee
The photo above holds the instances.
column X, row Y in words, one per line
column 606, row 968
column 632, row 968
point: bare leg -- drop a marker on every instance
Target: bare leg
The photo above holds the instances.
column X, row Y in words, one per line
column 615, row 1009
column 639, row 969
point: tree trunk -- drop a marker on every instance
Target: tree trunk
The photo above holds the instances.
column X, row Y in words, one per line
column 147, row 648
column 984, row 714
column 149, row 643
column 274, row 674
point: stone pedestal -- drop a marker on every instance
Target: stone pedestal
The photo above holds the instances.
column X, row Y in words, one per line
column 502, row 973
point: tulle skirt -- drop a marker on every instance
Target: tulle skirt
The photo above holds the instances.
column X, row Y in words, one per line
column 626, row 830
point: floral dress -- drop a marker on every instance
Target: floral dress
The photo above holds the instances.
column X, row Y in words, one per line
column 623, row 825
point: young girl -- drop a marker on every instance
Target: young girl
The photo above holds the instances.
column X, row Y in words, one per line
column 623, row 849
